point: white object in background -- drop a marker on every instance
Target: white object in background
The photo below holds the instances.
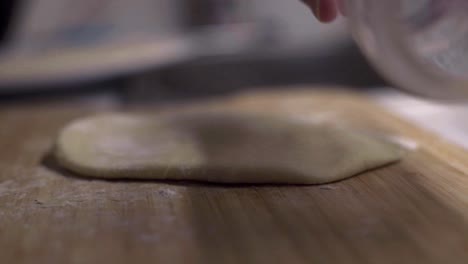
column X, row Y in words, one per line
column 448, row 121
column 63, row 41
column 420, row 45
column 50, row 24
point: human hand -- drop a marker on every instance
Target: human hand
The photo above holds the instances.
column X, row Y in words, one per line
column 325, row 10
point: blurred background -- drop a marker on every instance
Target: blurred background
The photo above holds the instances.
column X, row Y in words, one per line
column 153, row 51
column 171, row 49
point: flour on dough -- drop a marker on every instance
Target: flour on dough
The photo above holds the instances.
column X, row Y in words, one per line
column 218, row 147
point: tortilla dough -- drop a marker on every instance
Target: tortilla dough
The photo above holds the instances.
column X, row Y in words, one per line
column 218, row 147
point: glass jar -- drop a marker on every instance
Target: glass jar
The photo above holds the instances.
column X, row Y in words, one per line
column 418, row 45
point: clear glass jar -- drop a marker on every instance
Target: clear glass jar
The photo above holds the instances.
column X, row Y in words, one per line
column 419, row 45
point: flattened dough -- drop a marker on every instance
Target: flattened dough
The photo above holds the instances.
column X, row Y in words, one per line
column 218, row 147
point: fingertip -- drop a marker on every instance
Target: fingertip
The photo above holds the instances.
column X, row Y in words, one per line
column 326, row 11
column 328, row 17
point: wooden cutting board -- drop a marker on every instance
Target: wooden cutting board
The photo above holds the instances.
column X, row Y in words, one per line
column 415, row 211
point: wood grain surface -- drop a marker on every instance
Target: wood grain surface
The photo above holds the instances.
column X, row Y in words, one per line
column 415, row 211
